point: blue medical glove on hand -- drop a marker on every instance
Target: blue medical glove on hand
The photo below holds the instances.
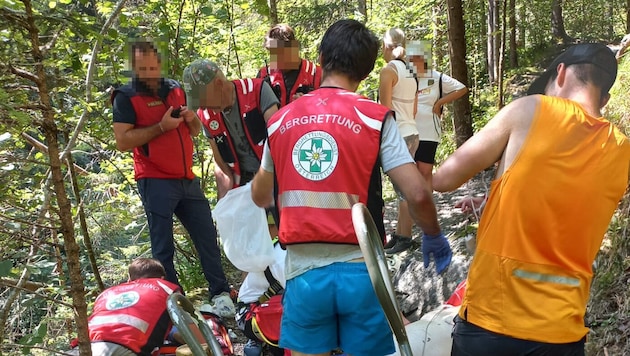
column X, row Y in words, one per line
column 436, row 245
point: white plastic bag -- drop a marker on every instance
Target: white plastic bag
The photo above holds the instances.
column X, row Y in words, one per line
column 243, row 229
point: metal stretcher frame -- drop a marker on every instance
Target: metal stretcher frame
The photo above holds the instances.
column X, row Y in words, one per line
column 186, row 318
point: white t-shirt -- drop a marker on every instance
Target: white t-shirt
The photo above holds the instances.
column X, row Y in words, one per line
column 427, row 123
column 255, row 284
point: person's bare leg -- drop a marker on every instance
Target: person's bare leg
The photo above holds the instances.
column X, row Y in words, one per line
column 405, row 223
column 426, row 169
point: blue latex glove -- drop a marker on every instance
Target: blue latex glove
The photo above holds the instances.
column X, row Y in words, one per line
column 436, row 245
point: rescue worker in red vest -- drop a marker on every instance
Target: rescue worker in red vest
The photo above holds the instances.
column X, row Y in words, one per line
column 131, row 318
column 328, row 148
column 289, row 75
column 562, row 170
column 146, row 121
column 234, row 115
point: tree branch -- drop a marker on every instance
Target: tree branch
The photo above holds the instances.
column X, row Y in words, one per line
column 8, row 303
column 88, row 80
column 30, row 107
column 27, row 286
column 43, row 148
column 35, row 347
column 24, row 74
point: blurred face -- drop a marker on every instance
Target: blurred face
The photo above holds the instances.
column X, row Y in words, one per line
column 147, row 67
column 419, row 66
column 284, row 55
column 217, row 95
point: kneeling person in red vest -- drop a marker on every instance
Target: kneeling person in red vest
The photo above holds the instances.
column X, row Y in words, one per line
column 131, row 318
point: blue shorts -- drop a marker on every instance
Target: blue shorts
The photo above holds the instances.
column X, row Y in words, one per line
column 334, row 307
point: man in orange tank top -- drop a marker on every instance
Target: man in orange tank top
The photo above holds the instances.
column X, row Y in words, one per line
column 562, row 170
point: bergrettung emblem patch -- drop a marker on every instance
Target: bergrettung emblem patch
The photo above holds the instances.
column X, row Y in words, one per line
column 123, row 300
column 214, row 125
column 315, row 155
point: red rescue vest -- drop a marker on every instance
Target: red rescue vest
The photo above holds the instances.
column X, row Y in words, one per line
column 309, row 78
column 248, row 101
column 133, row 314
column 170, row 154
column 325, row 149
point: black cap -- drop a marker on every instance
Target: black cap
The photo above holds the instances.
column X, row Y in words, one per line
column 593, row 53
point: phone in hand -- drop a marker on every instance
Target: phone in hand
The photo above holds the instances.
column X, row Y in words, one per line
column 175, row 113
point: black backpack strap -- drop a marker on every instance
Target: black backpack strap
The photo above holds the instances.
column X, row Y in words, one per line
column 274, row 287
column 273, row 282
column 440, row 85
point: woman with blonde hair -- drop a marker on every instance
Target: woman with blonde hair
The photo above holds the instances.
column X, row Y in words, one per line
column 397, row 90
column 434, row 90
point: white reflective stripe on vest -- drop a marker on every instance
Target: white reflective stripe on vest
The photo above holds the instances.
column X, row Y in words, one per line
column 370, row 122
column 247, row 85
column 166, row 288
column 321, row 200
column 120, row 319
column 548, row 278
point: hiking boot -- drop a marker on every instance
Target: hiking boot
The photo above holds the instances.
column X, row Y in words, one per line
column 221, row 305
column 402, row 243
column 252, row 348
column 392, row 241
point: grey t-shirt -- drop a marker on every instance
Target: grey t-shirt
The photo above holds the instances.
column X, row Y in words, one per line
column 303, row 257
column 246, row 157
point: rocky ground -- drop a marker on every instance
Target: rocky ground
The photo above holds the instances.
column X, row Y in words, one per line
column 419, row 290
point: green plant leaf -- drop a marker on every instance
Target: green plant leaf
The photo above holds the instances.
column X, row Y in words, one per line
column 5, row 268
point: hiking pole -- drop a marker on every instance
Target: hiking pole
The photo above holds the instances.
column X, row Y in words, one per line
column 372, row 248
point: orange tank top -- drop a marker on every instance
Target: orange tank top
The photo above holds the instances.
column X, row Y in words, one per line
column 543, row 225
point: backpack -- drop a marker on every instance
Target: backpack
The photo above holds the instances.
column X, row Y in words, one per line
column 266, row 314
column 266, row 317
column 219, row 330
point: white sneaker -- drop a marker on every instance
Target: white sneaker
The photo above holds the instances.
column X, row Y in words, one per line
column 220, row 305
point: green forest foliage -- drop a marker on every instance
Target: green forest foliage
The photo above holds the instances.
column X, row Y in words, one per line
column 231, row 33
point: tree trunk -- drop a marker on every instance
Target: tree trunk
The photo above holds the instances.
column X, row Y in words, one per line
column 64, row 209
column 175, row 53
column 610, row 8
column 557, row 23
column 493, row 40
column 627, row 16
column 501, row 83
column 438, row 36
column 273, row 12
column 513, row 42
column 87, row 240
column 462, row 119
column 362, row 4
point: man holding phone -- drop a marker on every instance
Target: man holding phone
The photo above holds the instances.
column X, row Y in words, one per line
column 151, row 118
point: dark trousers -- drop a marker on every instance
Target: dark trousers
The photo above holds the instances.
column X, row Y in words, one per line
column 471, row 340
column 183, row 197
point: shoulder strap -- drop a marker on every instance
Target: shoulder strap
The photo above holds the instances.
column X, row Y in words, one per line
column 274, row 286
column 440, row 85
